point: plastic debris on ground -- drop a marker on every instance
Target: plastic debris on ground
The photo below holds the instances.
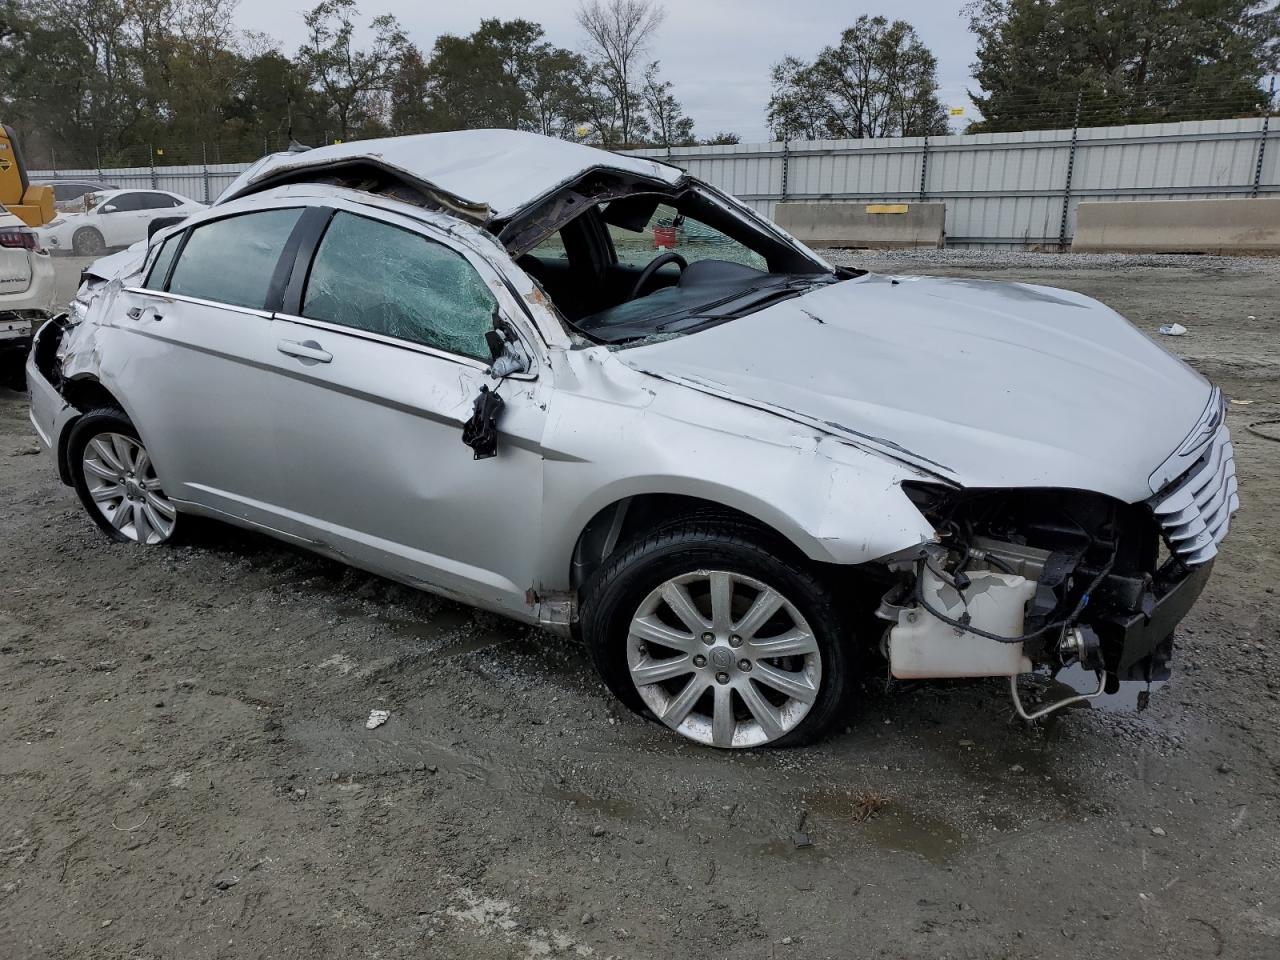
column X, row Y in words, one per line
column 1173, row 329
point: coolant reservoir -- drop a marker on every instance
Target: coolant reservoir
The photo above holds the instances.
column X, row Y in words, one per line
column 922, row 646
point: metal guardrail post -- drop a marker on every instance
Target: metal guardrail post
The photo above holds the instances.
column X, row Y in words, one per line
column 204, row 162
column 1262, row 139
column 924, row 167
column 1071, row 163
column 151, row 161
column 786, row 158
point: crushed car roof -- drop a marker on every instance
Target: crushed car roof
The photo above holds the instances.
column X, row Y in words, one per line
column 492, row 173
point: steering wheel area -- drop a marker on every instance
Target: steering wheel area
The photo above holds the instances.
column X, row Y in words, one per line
column 657, row 263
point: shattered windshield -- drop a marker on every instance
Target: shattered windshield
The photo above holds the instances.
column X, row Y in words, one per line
column 650, row 265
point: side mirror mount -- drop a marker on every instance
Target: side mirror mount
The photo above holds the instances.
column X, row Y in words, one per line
column 109, row 208
column 506, row 350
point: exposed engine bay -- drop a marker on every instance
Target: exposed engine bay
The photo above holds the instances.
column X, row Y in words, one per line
column 1026, row 579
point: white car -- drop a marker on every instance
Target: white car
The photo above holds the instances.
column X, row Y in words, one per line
column 26, row 282
column 117, row 218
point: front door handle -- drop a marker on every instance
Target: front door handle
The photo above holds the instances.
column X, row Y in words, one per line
column 308, row 351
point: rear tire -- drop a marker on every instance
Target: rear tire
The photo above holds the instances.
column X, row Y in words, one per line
column 88, row 242
column 758, row 656
column 116, row 480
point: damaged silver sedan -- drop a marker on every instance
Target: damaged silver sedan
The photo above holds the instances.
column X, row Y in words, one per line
column 590, row 392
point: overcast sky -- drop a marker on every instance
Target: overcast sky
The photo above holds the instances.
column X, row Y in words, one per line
column 717, row 53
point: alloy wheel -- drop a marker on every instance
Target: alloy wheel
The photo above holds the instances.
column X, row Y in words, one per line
column 123, row 486
column 724, row 659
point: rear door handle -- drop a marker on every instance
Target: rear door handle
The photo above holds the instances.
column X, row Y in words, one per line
column 307, row 351
column 135, row 313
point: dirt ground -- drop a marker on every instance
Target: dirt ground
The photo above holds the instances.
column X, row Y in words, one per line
column 185, row 771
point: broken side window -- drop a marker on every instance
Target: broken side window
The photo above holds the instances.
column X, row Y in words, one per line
column 373, row 276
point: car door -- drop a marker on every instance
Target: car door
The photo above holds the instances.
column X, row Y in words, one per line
column 121, row 219
column 155, row 205
column 382, row 357
column 197, row 375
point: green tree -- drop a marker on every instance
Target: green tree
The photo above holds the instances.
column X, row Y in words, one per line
column 504, row 75
column 1124, row 61
column 354, row 82
column 722, row 138
column 668, row 125
column 880, row 80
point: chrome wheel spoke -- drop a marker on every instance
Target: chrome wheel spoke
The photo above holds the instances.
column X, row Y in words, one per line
column 655, row 671
column 682, row 703
column 141, row 528
column 721, row 600
column 652, row 629
column 106, row 452
column 101, row 470
column 161, row 506
column 142, row 463
column 794, row 685
column 107, row 492
column 792, row 643
column 766, row 604
column 682, row 606
column 722, row 722
column 124, row 451
column 121, row 515
column 765, row 713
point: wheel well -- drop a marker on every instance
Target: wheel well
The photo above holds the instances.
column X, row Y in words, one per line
column 87, row 394
column 624, row 520
column 84, row 394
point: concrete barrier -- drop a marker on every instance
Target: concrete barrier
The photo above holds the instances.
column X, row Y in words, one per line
column 873, row 225
column 1179, row 226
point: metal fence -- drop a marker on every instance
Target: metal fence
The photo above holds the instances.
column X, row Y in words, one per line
column 1001, row 189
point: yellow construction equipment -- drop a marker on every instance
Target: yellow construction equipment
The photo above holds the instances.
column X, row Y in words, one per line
column 31, row 204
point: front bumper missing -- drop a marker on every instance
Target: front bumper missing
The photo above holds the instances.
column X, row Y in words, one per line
column 1128, row 640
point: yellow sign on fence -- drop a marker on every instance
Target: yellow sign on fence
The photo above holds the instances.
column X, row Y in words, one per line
column 886, row 208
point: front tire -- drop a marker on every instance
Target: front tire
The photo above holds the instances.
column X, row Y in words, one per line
column 116, row 480
column 720, row 633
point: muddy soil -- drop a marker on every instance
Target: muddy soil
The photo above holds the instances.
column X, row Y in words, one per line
column 185, row 769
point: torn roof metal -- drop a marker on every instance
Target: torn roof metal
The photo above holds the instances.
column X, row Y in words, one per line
column 491, row 174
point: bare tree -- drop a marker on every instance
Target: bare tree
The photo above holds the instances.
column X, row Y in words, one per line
column 618, row 33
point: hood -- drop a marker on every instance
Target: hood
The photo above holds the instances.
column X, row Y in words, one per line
column 123, row 264
column 486, row 174
column 984, row 383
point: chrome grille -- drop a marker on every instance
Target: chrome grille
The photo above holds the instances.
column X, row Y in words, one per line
column 1196, row 508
